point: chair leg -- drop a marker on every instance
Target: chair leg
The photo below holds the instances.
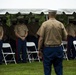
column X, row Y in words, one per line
column 14, row 58
column 38, row 57
column 4, row 58
column 29, row 58
column 65, row 55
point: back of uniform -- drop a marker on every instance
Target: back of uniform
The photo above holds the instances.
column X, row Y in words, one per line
column 52, row 32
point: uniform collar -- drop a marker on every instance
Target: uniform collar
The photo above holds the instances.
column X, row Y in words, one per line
column 52, row 19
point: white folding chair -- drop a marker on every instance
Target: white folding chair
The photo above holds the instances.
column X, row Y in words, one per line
column 30, row 52
column 64, row 44
column 74, row 43
column 7, row 52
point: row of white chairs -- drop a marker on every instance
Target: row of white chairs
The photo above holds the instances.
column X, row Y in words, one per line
column 10, row 52
column 29, row 52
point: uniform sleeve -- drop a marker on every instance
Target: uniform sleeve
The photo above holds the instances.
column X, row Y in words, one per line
column 40, row 32
column 26, row 28
column 15, row 29
column 64, row 33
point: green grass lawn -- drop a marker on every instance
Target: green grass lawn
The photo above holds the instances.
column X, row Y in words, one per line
column 35, row 68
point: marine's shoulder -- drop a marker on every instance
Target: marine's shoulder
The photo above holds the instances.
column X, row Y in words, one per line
column 45, row 22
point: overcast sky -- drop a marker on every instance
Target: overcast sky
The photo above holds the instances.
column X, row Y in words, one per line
column 37, row 4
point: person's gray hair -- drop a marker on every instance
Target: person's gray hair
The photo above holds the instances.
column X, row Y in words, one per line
column 52, row 12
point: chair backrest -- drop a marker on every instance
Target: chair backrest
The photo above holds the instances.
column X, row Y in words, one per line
column 29, row 44
column 74, row 42
column 6, row 47
column 64, row 42
column 32, row 45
